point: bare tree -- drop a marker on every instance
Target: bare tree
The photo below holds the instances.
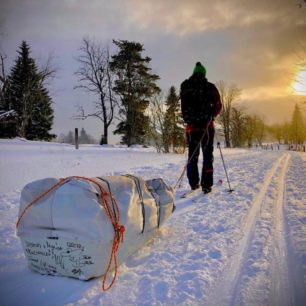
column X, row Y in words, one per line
column 95, row 77
column 237, row 125
column 276, row 130
column 47, row 70
column 157, row 113
column 287, row 135
column 260, row 129
column 249, row 130
column 229, row 95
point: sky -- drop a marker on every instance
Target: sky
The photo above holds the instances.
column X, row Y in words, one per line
column 256, row 45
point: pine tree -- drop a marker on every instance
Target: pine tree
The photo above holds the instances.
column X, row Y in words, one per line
column 41, row 118
column 70, row 138
column 135, row 84
column 173, row 133
column 27, row 96
column 83, row 137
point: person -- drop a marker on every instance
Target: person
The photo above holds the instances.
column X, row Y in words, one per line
column 200, row 104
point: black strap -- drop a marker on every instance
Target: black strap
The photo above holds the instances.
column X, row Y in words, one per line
column 110, row 192
column 157, row 205
column 139, row 190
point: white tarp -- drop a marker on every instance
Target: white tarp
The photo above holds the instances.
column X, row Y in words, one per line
column 67, row 232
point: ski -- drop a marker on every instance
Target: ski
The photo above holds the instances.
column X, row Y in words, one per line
column 190, row 193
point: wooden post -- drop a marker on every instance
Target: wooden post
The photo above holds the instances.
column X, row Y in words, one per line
column 76, row 138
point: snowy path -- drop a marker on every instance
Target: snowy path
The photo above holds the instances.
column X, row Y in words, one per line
column 242, row 248
column 281, row 291
column 266, row 214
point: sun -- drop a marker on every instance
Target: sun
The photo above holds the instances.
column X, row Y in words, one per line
column 299, row 83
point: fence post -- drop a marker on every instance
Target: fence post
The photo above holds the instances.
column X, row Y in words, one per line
column 76, row 138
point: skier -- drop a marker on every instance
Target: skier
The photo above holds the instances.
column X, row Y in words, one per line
column 200, row 103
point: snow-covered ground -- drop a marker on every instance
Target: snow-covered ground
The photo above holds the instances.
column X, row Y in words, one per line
column 242, row 248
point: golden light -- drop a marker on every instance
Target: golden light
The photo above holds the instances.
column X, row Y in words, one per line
column 299, row 84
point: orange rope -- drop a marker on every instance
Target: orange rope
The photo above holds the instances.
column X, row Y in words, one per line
column 111, row 214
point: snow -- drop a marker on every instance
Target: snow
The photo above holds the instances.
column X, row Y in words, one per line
column 242, row 248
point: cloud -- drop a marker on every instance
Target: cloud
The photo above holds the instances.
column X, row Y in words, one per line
column 187, row 17
column 63, row 18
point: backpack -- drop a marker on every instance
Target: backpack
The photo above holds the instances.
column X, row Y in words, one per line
column 197, row 99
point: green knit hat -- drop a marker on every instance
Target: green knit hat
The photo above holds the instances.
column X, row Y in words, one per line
column 199, row 68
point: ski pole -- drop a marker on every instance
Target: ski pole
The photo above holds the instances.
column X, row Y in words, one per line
column 229, row 185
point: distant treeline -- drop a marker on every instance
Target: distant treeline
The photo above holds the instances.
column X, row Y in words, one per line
column 245, row 130
column 124, row 87
column 83, row 138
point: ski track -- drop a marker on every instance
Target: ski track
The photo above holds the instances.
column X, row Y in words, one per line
column 281, row 291
column 263, row 242
column 295, row 212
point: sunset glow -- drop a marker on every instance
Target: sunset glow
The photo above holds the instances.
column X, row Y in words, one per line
column 299, row 84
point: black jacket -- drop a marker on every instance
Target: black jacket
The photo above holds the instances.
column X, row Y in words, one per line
column 200, row 100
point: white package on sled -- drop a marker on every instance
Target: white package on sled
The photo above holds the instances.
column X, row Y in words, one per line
column 67, row 232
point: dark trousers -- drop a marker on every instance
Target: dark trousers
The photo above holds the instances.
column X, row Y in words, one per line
column 207, row 145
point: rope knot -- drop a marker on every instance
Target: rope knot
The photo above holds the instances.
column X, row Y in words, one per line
column 105, row 194
column 120, row 230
